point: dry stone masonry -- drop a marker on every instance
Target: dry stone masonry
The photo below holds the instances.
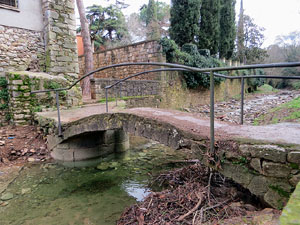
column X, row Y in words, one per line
column 22, row 104
column 21, row 49
column 127, row 88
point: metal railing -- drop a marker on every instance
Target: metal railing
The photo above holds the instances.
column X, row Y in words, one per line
column 176, row 67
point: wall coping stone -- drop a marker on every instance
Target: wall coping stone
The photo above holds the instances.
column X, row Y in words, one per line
column 120, row 47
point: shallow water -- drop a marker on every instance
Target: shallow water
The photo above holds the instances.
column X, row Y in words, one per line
column 52, row 194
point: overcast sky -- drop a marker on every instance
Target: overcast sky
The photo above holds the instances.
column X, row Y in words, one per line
column 279, row 17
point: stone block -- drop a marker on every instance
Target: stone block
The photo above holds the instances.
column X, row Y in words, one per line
column 259, row 186
column 276, row 169
column 269, row 152
column 274, row 199
column 237, row 173
column 256, row 164
column 295, row 180
column 294, row 157
column 17, row 82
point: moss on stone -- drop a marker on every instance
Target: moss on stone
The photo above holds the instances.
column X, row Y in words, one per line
column 290, row 214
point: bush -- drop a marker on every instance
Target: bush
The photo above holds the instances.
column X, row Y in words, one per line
column 190, row 56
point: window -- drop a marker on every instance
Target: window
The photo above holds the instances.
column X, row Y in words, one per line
column 9, row 3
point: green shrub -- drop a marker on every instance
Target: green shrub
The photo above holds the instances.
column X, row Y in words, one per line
column 189, row 55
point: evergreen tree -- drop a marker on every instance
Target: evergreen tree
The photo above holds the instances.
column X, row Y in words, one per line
column 227, row 29
column 152, row 21
column 240, row 35
column 209, row 34
column 185, row 16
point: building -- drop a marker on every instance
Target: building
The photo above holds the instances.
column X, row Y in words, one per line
column 38, row 35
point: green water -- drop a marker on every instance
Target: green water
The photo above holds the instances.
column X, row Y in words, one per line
column 52, row 194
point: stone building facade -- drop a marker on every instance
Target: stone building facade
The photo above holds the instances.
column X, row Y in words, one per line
column 37, row 36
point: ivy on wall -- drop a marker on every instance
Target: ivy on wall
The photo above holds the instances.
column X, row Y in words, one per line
column 189, row 55
column 3, row 94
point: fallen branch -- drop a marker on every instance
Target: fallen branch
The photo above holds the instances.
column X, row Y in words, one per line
column 193, row 209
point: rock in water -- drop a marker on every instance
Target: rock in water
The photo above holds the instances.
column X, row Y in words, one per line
column 103, row 166
column 7, row 196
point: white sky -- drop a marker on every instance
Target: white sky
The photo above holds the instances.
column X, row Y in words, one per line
column 279, row 17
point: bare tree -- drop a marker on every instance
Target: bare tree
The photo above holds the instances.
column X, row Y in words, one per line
column 88, row 52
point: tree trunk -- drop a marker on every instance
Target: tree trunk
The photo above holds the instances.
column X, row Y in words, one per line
column 88, row 52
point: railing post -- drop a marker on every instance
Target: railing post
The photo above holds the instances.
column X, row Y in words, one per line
column 106, row 100
column 120, row 90
column 116, row 94
column 212, row 113
column 58, row 114
column 242, row 100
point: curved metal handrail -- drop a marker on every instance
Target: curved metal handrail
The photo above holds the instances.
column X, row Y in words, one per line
column 178, row 67
column 193, row 69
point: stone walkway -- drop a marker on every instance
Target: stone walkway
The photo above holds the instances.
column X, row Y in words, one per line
column 284, row 133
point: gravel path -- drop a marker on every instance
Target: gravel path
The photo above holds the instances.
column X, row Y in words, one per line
column 255, row 106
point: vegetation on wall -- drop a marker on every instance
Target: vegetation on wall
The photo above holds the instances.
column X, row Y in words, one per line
column 4, row 98
column 3, row 94
column 190, row 56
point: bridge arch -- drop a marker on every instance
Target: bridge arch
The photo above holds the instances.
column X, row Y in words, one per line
column 102, row 134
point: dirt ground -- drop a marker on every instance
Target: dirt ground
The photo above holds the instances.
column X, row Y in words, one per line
column 19, row 144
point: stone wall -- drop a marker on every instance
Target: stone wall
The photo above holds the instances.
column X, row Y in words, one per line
column 176, row 95
column 127, row 88
column 21, row 49
column 23, row 105
column 60, row 38
column 146, row 51
column 269, row 171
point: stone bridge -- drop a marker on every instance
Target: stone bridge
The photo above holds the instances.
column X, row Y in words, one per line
column 263, row 159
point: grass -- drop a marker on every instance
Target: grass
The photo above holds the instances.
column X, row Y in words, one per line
column 125, row 98
column 296, row 85
column 286, row 112
column 266, row 89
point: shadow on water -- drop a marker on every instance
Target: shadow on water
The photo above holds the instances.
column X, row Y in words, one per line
column 51, row 194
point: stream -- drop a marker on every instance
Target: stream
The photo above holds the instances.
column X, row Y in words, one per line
column 52, row 194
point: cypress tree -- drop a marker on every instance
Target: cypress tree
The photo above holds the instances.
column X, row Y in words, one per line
column 151, row 12
column 185, row 16
column 151, row 21
column 227, row 28
column 241, row 36
column 209, row 34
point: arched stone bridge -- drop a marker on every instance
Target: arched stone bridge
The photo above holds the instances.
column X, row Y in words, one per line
column 263, row 159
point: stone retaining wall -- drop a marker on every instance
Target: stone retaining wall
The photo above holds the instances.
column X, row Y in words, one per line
column 22, row 104
column 269, row 171
column 146, row 51
column 127, row 88
column 21, row 49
